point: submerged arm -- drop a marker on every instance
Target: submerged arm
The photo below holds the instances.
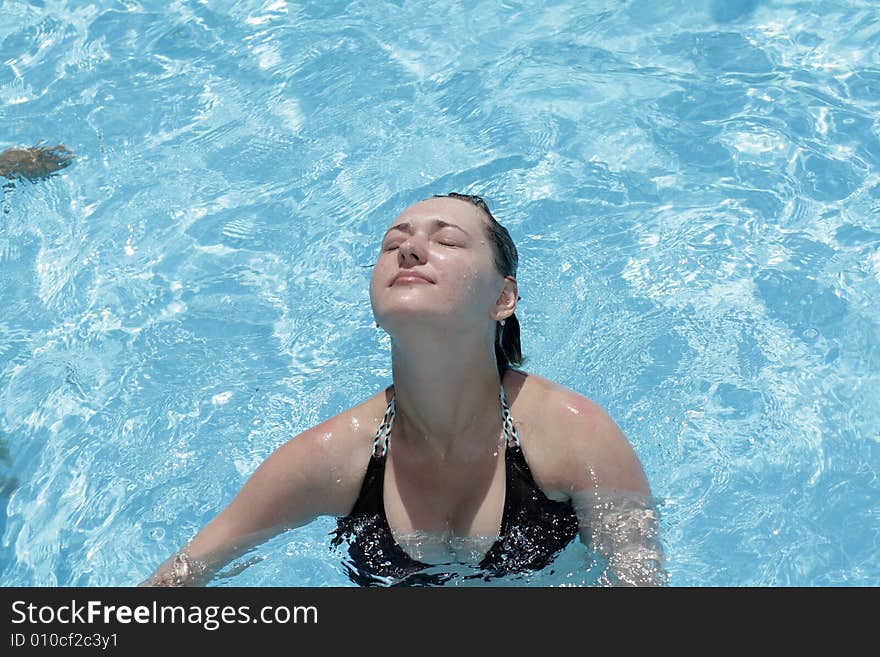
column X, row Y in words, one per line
column 201, row 558
column 624, row 529
column 290, row 488
column 617, row 514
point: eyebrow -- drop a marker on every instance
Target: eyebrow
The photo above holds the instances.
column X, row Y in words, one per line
column 406, row 226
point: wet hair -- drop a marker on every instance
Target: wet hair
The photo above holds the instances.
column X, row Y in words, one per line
column 508, row 351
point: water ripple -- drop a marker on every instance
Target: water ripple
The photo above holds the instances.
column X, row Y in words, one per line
column 693, row 189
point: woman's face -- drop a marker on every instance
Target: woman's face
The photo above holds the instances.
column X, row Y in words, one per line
column 443, row 240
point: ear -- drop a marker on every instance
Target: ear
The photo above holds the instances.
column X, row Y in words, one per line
column 505, row 306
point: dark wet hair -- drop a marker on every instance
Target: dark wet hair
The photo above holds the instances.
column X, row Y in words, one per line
column 508, row 351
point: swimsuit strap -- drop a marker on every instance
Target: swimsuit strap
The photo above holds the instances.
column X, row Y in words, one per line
column 507, row 428
column 383, row 433
column 384, row 430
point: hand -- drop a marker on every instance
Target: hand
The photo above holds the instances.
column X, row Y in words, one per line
column 179, row 570
column 34, row 162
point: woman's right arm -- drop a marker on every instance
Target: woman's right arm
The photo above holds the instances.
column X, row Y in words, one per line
column 304, row 478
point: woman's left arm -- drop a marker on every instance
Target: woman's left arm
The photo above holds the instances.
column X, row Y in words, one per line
column 612, row 498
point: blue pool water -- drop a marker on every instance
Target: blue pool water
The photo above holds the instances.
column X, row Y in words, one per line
column 694, row 188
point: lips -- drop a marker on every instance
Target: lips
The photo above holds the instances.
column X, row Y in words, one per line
column 410, row 277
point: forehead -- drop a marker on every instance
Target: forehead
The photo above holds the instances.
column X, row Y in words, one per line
column 455, row 211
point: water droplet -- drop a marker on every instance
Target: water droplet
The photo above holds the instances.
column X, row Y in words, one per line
column 810, row 333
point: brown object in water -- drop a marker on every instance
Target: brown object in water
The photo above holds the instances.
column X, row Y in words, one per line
column 34, row 162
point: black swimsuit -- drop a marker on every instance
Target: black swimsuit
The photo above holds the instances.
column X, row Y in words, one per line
column 534, row 528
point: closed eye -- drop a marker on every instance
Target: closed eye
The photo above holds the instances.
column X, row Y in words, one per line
column 395, row 246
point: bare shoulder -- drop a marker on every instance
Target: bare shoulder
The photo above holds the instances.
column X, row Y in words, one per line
column 335, row 452
column 551, row 405
column 579, row 445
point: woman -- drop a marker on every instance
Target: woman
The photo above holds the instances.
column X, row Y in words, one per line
column 473, row 461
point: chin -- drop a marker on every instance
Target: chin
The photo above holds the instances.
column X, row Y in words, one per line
column 409, row 319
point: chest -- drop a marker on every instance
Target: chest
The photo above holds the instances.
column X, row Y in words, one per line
column 454, row 511
column 447, row 513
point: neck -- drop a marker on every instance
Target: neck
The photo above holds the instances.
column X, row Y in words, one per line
column 446, row 391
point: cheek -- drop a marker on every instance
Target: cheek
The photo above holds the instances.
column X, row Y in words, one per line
column 470, row 281
column 376, row 277
column 477, row 286
column 382, row 267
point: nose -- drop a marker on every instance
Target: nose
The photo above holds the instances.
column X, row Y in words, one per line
column 410, row 250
